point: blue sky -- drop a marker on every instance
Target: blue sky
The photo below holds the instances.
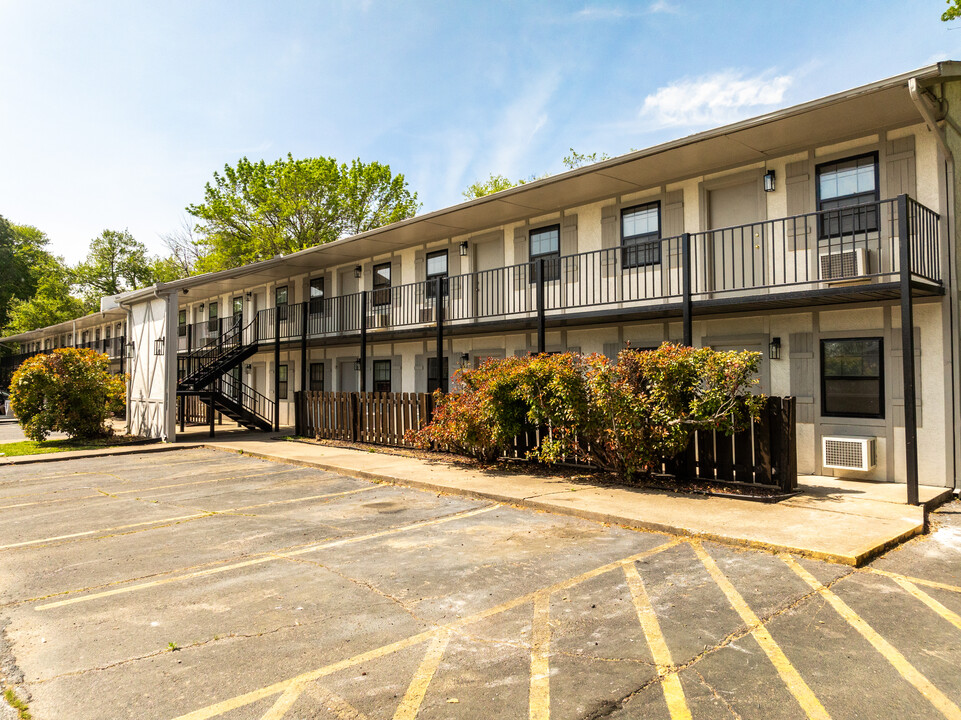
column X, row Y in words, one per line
column 115, row 114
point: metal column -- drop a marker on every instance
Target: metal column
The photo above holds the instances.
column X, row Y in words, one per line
column 276, row 368
column 439, row 304
column 363, row 341
column 686, row 288
column 907, row 353
column 541, row 320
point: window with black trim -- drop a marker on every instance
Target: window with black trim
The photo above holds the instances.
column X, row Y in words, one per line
column 641, row 235
column 212, row 315
column 381, row 375
column 852, row 377
column 282, row 382
column 181, row 323
column 436, row 268
column 432, row 383
column 847, row 195
column 317, row 377
column 317, row 296
column 238, row 308
column 382, row 284
column 280, row 301
column 546, row 243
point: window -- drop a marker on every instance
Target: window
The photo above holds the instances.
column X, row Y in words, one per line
column 382, row 375
column 238, row 308
column 842, row 185
column 852, row 378
column 382, row 283
column 212, row 315
column 546, row 243
column 280, row 300
column 436, row 268
column 432, row 383
column 317, row 296
column 641, row 235
column 181, row 323
column 317, row 377
column 282, row 382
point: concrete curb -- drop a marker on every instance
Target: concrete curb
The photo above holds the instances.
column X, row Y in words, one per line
column 104, row 452
column 854, row 560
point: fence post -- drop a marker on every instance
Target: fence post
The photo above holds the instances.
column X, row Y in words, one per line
column 686, row 288
column 354, row 416
column 907, row 353
column 541, row 320
column 299, row 413
column 439, row 303
column 363, row 341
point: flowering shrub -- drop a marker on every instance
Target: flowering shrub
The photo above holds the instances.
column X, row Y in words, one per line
column 68, row 390
column 625, row 416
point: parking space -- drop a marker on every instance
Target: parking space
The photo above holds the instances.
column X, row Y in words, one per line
column 200, row 584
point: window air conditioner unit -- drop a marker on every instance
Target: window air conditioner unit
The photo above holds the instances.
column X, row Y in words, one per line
column 850, row 453
column 842, row 264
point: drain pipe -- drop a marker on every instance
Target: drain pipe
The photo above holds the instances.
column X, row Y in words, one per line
column 940, row 137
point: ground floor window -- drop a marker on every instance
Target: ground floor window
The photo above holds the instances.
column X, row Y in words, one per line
column 381, row 375
column 432, row 382
column 317, row 377
column 852, row 377
column 282, row 382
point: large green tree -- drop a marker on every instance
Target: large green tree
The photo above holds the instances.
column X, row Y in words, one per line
column 116, row 262
column 258, row 210
column 22, row 257
column 50, row 303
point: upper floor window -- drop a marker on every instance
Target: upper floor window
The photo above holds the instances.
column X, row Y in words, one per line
column 316, row 296
column 546, row 243
column 381, row 375
column 280, row 300
column 181, row 323
column 842, row 185
column 436, row 268
column 852, row 378
column 641, row 235
column 382, row 283
column 238, row 306
column 212, row 315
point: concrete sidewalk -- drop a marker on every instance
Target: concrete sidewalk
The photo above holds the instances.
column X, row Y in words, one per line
column 835, row 520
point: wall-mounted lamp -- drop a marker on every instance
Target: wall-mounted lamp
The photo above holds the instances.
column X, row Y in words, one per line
column 464, row 359
column 357, row 365
column 158, row 346
column 248, row 295
column 130, row 349
column 247, row 368
column 358, row 272
column 201, row 307
column 769, row 181
column 774, row 349
column 463, row 249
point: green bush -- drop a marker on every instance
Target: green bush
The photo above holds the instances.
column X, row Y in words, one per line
column 625, row 416
column 68, row 390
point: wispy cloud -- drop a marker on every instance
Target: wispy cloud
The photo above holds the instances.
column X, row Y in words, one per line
column 663, row 6
column 595, row 12
column 713, row 99
column 519, row 124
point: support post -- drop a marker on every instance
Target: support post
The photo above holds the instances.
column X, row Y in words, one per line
column 210, row 412
column 363, row 341
column 541, row 320
column 686, row 288
column 439, row 305
column 276, row 368
column 907, row 353
column 183, row 411
column 303, row 346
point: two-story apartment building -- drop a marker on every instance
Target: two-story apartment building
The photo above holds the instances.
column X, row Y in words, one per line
column 807, row 234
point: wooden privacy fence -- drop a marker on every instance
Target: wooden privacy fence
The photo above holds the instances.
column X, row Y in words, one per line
column 764, row 454
column 380, row 418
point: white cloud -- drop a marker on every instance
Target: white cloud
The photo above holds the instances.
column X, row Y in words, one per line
column 520, row 122
column 663, row 6
column 713, row 99
column 592, row 12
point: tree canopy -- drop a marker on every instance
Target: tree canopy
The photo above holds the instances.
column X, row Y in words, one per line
column 116, row 263
column 257, row 210
column 953, row 12
column 22, row 258
column 493, row 184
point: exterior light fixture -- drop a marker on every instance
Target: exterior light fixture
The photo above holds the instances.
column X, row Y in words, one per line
column 248, row 295
column 130, row 349
column 769, row 181
column 158, row 346
column 774, row 349
column 357, row 365
column 463, row 249
column 358, row 272
column 201, row 307
column 464, row 359
column 248, row 367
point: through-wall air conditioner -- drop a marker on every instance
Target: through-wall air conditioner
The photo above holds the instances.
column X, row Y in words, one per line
column 850, row 453
column 842, row 264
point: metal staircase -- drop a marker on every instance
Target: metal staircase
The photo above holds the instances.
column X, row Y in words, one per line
column 206, row 374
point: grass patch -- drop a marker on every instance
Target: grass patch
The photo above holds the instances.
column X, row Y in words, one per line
column 23, row 712
column 32, row 447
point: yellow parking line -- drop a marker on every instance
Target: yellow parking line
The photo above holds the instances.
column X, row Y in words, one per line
column 425, row 673
column 267, row 558
column 670, row 682
column 286, row 701
column 805, row 697
column 279, row 687
column 917, row 580
column 887, row 650
column 540, row 695
column 949, row 615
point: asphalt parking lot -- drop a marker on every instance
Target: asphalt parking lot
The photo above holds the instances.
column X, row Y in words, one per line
column 200, row 584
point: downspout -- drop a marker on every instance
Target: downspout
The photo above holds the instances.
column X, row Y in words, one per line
column 941, row 138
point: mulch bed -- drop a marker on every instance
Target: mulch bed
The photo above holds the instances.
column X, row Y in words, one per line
column 572, row 473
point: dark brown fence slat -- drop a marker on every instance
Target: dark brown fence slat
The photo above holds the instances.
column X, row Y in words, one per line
column 762, row 446
column 724, row 457
column 705, row 454
column 744, row 456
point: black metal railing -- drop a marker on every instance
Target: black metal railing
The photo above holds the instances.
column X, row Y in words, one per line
column 244, row 395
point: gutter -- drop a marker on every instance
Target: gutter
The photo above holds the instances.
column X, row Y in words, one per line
column 924, row 109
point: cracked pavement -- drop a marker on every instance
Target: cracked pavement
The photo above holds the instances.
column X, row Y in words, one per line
column 196, row 584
